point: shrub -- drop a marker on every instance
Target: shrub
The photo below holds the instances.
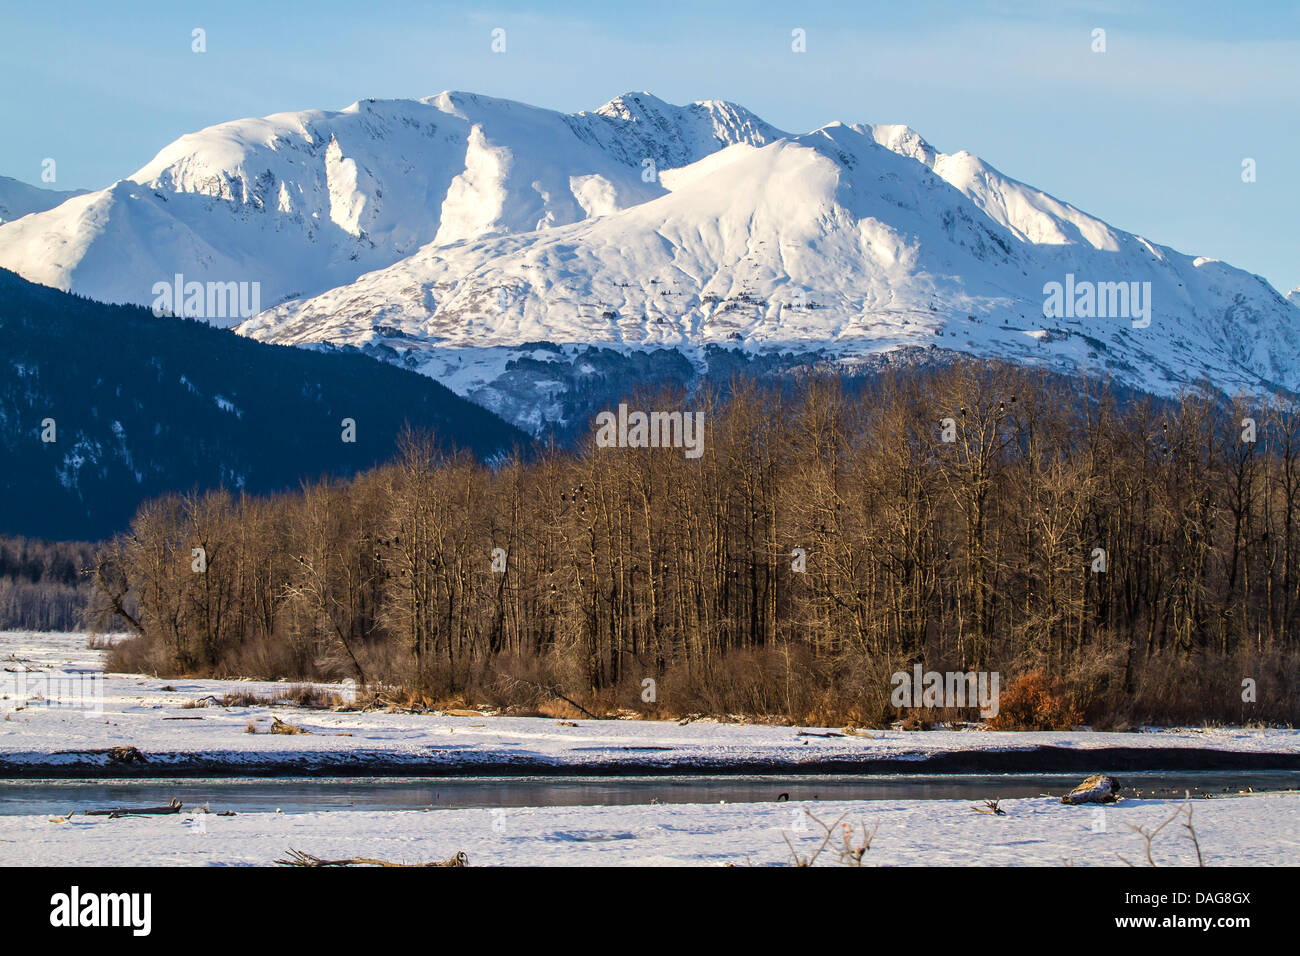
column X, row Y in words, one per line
column 1034, row 702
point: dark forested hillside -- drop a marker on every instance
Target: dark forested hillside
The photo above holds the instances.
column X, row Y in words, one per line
column 103, row 407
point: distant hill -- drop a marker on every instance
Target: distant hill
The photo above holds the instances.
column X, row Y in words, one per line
column 18, row 199
column 142, row 405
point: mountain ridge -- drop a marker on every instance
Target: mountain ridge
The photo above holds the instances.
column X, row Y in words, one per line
column 305, row 201
column 18, row 199
column 452, row 234
column 851, row 239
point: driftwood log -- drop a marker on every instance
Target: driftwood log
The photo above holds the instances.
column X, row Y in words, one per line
column 278, row 726
column 125, row 754
column 1099, row 788
column 116, row 812
column 298, row 858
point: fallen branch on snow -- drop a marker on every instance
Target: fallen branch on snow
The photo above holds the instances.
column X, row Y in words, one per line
column 298, row 858
column 552, row 690
column 116, row 812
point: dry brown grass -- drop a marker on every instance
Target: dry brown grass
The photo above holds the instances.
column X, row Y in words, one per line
column 787, row 686
column 560, row 710
column 245, row 698
column 312, row 697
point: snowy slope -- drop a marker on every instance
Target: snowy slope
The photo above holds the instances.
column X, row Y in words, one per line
column 302, row 202
column 18, row 199
column 847, row 241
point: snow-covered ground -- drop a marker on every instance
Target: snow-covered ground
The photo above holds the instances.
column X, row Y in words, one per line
column 1255, row 829
column 149, row 714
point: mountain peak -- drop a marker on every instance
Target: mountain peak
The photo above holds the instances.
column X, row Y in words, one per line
column 634, row 105
column 643, row 105
column 905, row 141
column 637, row 127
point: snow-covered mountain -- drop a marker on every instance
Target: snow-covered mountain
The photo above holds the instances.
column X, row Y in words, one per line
column 845, row 242
column 18, row 199
column 303, row 202
column 524, row 256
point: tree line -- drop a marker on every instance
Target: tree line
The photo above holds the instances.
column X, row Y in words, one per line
column 1134, row 559
column 42, row 587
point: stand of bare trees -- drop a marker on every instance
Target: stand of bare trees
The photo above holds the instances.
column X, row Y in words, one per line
column 1143, row 559
column 41, row 584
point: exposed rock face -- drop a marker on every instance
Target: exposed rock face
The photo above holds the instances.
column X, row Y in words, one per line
column 1098, row 788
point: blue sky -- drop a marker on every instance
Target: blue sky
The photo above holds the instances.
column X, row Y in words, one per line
column 1149, row 135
